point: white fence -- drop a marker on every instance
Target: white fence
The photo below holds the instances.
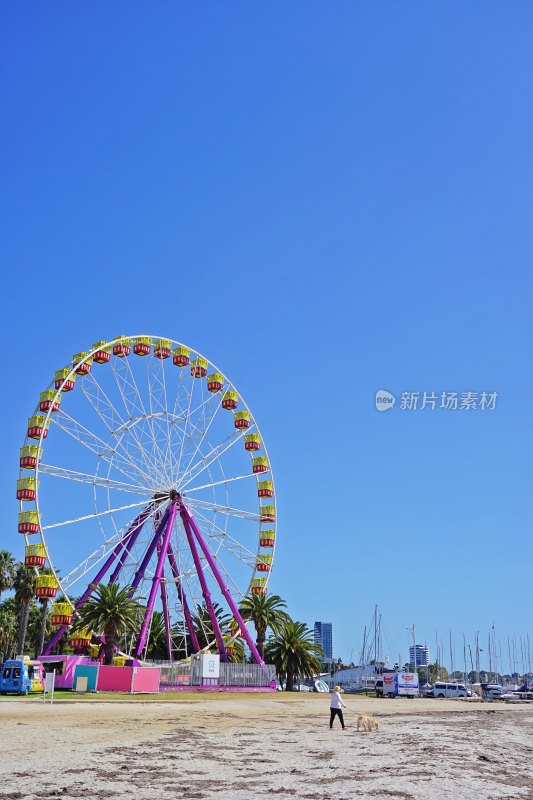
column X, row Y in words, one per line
column 188, row 674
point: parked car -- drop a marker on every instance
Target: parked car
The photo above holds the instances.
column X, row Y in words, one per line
column 442, row 689
column 491, row 691
column 379, row 687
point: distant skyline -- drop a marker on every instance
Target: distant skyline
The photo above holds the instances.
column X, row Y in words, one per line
column 326, row 204
column 323, row 633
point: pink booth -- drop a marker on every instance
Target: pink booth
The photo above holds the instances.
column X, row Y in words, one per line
column 65, row 667
column 128, row 679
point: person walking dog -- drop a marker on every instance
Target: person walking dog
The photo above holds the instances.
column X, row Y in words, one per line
column 335, row 707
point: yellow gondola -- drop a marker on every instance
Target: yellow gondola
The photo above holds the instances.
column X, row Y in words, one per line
column 37, row 426
column 102, row 354
column 27, row 488
column 265, row 489
column 62, row 614
column 162, row 348
column 267, row 538
column 48, row 401
column 30, row 456
column 258, row 586
column 181, row 356
column 215, row 382
column 64, row 380
column 45, row 586
column 230, row 400
column 264, row 562
column 268, row 513
column 122, row 348
column 28, row 522
column 259, row 464
column 34, row 555
column 199, row 367
column 242, row 419
column 252, row 441
column 142, row 345
column 82, row 363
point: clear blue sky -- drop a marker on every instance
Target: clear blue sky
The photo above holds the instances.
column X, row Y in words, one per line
column 327, row 199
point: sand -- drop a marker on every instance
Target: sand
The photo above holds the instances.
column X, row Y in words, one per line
column 240, row 747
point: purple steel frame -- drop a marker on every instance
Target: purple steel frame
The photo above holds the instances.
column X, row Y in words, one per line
column 126, row 542
column 183, row 599
column 189, row 523
column 161, row 542
column 205, row 591
column 169, row 518
column 166, row 615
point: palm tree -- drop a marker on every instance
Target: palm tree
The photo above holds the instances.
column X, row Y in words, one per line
column 294, row 653
column 265, row 612
column 204, row 627
column 110, row 611
column 157, row 643
column 8, row 627
column 7, row 570
column 24, row 586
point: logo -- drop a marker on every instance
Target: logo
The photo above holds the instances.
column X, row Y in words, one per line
column 384, row 400
column 388, row 680
column 407, row 677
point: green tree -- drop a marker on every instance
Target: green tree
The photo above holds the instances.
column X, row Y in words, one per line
column 157, row 641
column 8, row 627
column 265, row 611
column 204, row 627
column 294, row 653
column 431, row 673
column 111, row 612
column 24, row 586
column 7, row 571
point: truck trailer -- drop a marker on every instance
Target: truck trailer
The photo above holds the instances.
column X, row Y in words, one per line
column 397, row 684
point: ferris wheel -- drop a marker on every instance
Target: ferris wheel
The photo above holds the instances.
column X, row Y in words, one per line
column 143, row 466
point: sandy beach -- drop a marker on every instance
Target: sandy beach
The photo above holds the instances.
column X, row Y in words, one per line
column 280, row 745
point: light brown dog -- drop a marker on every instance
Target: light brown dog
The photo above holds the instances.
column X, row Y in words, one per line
column 367, row 723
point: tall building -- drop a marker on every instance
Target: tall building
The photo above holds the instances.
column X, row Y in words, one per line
column 324, row 637
column 422, row 655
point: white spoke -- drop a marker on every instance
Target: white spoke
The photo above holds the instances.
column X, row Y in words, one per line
column 157, row 408
column 98, row 555
column 222, row 482
column 89, row 440
column 230, row 512
column 203, row 435
column 133, row 403
column 224, row 543
column 93, row 480
column 93, row 516
column 229, row 543
column 112, row 419
column 214, row 454
column 185, row 420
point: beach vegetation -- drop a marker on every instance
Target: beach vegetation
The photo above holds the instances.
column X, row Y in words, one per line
column 24, row 587
column 294, row 653
column 264, row 611
column 111, row 611
column 7, row 571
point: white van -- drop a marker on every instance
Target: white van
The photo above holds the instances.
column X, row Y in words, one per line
column 441, row 689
